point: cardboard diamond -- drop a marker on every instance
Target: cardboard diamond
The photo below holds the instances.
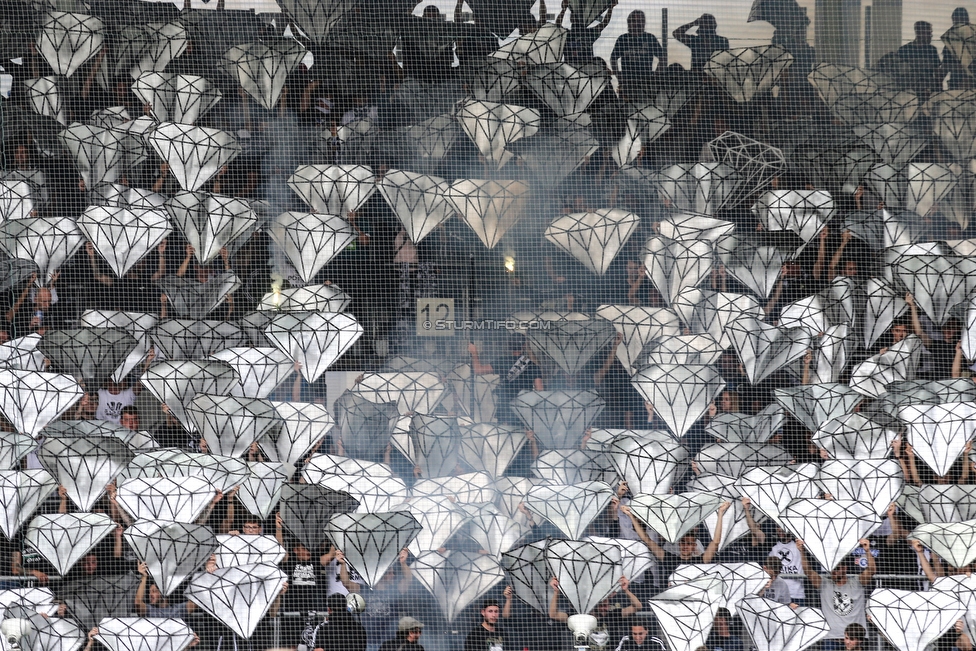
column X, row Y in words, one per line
column 672, row 516
column 588, row 572
column 333, row 189
column 165, row 498
column 566, row 89
column 830, row 529
column 245, row 549
column 490, row 448
column 178, row 98
column 84, row 466
column 316, row 339
column 91, row 600
column 815, row 404
column 262, row 68
column 947, row 503
column 172, row 551
column 686, row 611
column 144, row 634
column 310, row 240
column 371, row 542
column 306, row 508
column 46, row 241
column 209, row 221
column 260, row 370
column 679, row 393
column 571, row 508
column 489, row 208
column 456, row 579
column 777, row 627
column 913, row 620
column 638, row 326
column 195, row 154
column 229, row 424
column 701, row 188
column 31, row 399
column 418, row 200
column 528, row 571
column 186, row 339
column 876, row 481
column 755, row 163
column 558, row 418
column 439, row 520
column 64, row 539
column 68, row 40
column 648, row 465
column 238, row 597
column 123, row 237
column 764, row 349
column 743, row 428
column 952, row 541
column 745, row 72
column 89, row 354
column 939, row 433
column 593, row 238
column 412, row 392
column 176, row 383
column 709, row 312
column 571, row 344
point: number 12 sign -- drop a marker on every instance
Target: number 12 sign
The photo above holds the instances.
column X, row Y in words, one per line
column 435, row 317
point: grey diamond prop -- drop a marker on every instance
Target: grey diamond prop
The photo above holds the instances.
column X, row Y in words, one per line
column 46, row 97
column 552, row 157
column 638, row 326
column 180, row 499
column 558, row 418
column 316, row 339
column 593, row 238
column 317, row 18
column 261, row 490
column 939, row 433
column 303, row 425
column 876, row 481
column 13, row 448
column 686, row 611
column 418, row 200
column 144, row 634
column 260, row 370
column 333, row 189
column 489, row 208
column 84, row 466
column 544, row 45
column 493, row 531
column 245, row 549
column 647, row 464
column 262, row 68
column 803, row 212
column 492, row 126
column 456, row 579
column 176, row 383
column 952, row 541
column 89, row 354
column 53, row 634
column 815, row 404
column 897, row 144
column 310, row 240
column 743, row 428
column 571, row 344
column 194, row 154
column 306, row 509
column 529, row 574
column 947, row 503
column 123, row 237
column 171, row 550
column 371, row 542
column 565, row 89
column 571, row 508
column 740, row 579
column 757, row 267
column 883, row 106
column 195, row 300
column 364, row 427
column 98, row 152
column 883, row 306
column 65, row 538
column 588, row 572
column 732, row 459
column 880, row 229
column 374, row 494
column 32, row 399
column 239, row 597
column 679, row 393
column 310, row 298
column 764, row 349
column 672, row 516
column 186, row 339
column 210, row 221
column 178, row 98
column 772, row 489
column 928, row 183
column 22, row 353
column 745, row 72
column 222, row 473
column 229, row 424
column 938, row 282
column 135, row 323
column 898, row 364
column 439, row 519
column 567, row 466
column 330, row 464
column 701, row 188
column 774, row 626
column 913, row 620
column 432, row 139
column 830, row 529
column 39, row 600
column 755, row 163
column 852, row 436
column 91, row 600
column 710, row 312
column 46, row 241
column 490, row 448
column 68, row 40
column 413, row 392
column 435, row 443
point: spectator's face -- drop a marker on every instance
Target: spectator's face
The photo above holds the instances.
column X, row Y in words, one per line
column 90, row 564
column 839, row 573
column 490, row 614
column 4, row 336
column 638, row 634
column 254, row 529
column 898, row 333
column 635, row 25
column 924, row 35
column 686, row 547
column 43, row 299
column 302, row 553
column 850, row 268
column 414, row 635
column 154, row 595
column 850, row 643
column 130, row 422
column 950, row 334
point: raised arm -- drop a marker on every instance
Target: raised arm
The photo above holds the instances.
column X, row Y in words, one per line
column 815, row 578
column 639, row 528
column 607, row 17
column 635, row 602
column 349, row 584
column 508, row 593
column 712, row 548
column 554, row 612
column 922, row 561
column 872, row 568
column 140, row 600
column 758, row 536
column 406, row 575
column 916, row 322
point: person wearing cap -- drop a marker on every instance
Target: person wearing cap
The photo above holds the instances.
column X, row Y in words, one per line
column 407, row 637
column 842, row 595
column 489, row 635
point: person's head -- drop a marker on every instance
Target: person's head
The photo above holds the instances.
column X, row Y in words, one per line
column 155, row 595
column 708, row 23
column 431, row 12
column 960, row 16
column 636, row 22
column 850, row 268
column 337, row 606
column 43, row 298
column 253, row 527
column 923, row 32
column 839, row 574
column 490, row 612
column 411, row 628
column 899, row 330
column 854, row 636
column 4, row 336
column 687, row 545
column 773, row 565
column 729, row 402
column 89, row 564
column 638, row 633
column 130, row 418
column 951, row 331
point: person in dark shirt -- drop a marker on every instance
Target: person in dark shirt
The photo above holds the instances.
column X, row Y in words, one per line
column 609, row 614
column 921, row 59
column 343, row 632
column 640, row 639
column 704, row 43
column 488, row 635
column 722, row 637
column 580, row 39
column 959, row 77
column 633, row 54
column 407, row 637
